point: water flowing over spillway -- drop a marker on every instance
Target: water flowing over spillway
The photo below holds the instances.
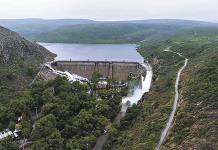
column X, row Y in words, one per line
column 139, row 90
column 71, row 77
column 132, row 98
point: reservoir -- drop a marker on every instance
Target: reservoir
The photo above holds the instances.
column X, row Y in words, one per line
column 95, row 52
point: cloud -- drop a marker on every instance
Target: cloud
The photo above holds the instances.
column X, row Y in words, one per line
column 110, row 9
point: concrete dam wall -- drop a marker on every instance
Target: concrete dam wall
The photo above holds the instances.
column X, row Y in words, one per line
column 110, row 69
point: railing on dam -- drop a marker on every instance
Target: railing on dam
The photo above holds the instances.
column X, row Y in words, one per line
column 117, row 70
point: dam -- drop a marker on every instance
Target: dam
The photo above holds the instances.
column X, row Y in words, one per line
column 116, row 70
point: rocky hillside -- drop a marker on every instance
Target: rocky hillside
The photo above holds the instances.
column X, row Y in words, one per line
column 19, row 59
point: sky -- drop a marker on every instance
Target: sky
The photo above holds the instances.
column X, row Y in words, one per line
column 108, row 10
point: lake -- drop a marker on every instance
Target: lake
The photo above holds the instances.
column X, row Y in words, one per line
column 95, row 52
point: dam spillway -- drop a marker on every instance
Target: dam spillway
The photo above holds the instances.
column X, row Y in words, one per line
column 116, row 70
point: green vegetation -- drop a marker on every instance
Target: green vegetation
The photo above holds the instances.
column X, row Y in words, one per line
column 67, row 117
column 118, row 32
column 89, row 31
column 8, row 144
column 141, row 127
column 19, row 61
column 31, row 27
column 101, row 33
column 62, row 115
column 195, row 123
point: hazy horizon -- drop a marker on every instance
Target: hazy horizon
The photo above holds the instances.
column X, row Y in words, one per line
column 111, row 10
column 105, row 20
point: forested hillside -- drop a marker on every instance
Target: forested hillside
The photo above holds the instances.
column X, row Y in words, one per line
column 105, row 33
column 195, row 124
column 118, row 32
column 196, row 121
column 89, row 31
column 20, row 61
column 32, row 27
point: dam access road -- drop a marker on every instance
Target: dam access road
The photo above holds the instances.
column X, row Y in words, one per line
column 165, row 131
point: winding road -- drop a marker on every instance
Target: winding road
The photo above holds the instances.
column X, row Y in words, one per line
column 175, row 105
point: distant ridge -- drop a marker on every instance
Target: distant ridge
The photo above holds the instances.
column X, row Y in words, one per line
column 90, row 31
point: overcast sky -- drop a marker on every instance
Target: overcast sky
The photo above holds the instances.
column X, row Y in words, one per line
column 111, row 9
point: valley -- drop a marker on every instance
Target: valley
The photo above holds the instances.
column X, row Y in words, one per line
column 158, row 91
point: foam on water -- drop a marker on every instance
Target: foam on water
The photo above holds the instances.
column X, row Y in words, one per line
column 139, row 90
column 71, row 77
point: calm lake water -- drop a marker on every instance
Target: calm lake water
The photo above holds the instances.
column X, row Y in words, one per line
column 95, row 52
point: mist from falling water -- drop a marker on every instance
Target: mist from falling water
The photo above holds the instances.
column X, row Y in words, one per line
column 139, row 91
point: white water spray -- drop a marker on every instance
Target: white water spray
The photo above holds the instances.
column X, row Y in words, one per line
column 71, row 77
column 132, row 98
column 138, row 91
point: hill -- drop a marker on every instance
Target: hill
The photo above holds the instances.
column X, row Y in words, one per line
column 103, row 33
column 19, row 62
column 118, row 32
column 31, row 27
column 89, row 31
column 195, row 124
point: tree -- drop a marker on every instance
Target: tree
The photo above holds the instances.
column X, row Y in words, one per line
column 55, row 141
column 44, row 127
column 36, row 93
column 8, row 144
column 47, row 108
column 26, row 129
column 83, row 121
column 45, row 134
column 95, row 79
column 82, row 143
column 102, row 122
